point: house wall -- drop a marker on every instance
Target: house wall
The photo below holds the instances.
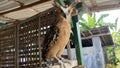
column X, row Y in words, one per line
column 93, row 55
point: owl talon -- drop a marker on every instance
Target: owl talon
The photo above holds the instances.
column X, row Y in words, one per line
column 66, row 61
column 60, row 62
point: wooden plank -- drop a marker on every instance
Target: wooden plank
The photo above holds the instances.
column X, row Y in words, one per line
column 105, row 7
column 24, row 7
column 10, row 5
column 73, row 63
column 95, row 35
column 79, row 66
column 93, row 2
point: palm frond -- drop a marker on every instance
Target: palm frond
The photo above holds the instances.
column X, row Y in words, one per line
column 91, row 21
column 102, row 17
column 84, row 26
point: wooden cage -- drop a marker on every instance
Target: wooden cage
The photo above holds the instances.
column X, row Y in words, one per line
column 20, row 44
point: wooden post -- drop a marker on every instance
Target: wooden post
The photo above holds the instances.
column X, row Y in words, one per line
column 16, row 45
column 39, row 44
column 69, row 50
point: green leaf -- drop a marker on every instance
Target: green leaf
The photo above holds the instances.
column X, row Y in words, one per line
column 91, row 21
column 83, row 20
column 102, row 17
column 84, row 26
column 116, row 22
column 94, row 17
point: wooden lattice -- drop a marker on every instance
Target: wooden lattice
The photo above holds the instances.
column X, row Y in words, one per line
column 28, row 44
column 20, row 45
column 7, row 47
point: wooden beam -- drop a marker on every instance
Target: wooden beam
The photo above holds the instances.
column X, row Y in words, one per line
column 105, row 7
column 21, row 4
column 93, row 2
column 73, row 63
column 27, row 6
column 95, row 35
column 8, row 19
column 86, row 7
column 79, row 66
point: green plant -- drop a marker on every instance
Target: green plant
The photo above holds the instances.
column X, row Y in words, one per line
column 92, row 21
column 112, row 55
column 112, row 58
